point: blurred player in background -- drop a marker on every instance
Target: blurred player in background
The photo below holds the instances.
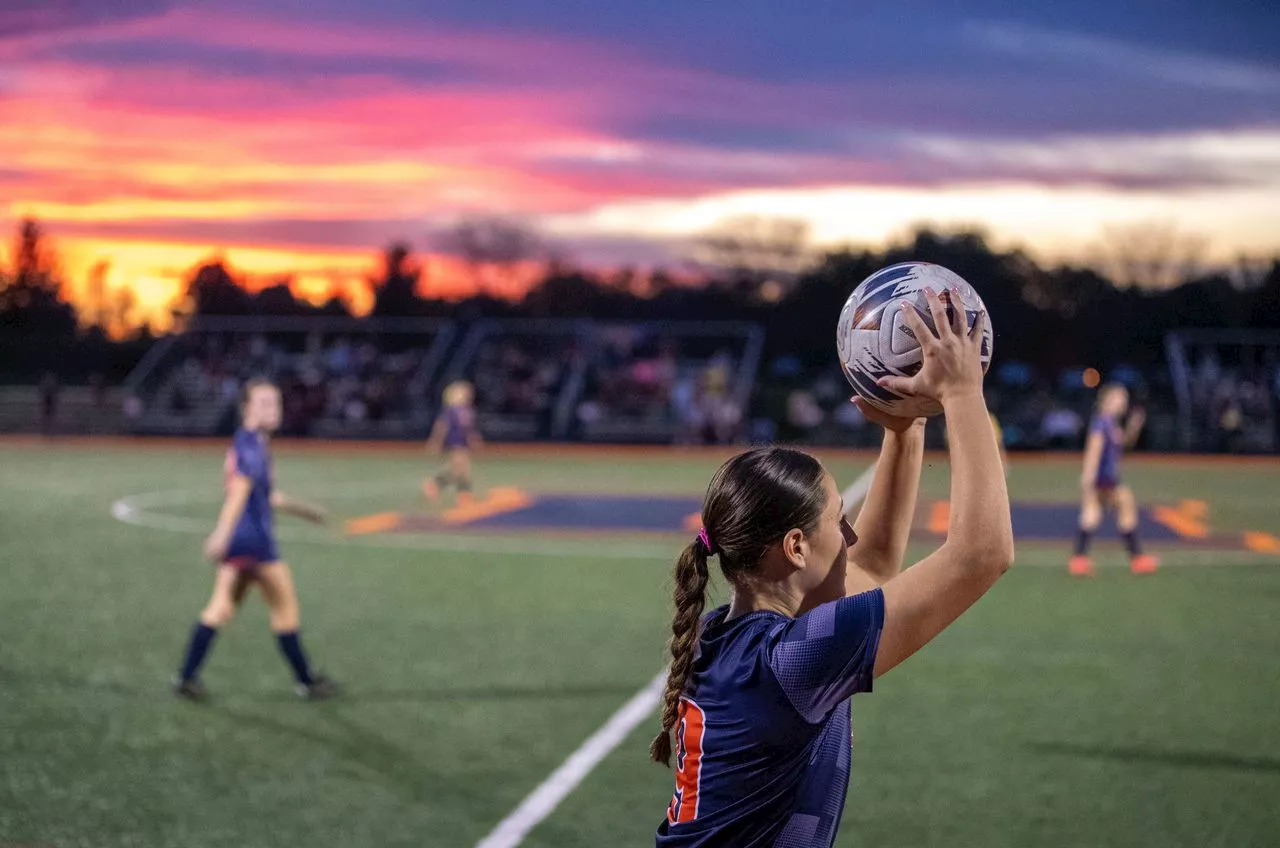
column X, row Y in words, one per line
column 1100, row 486
column 244, row 547
column 455, row 433
column 758, row 693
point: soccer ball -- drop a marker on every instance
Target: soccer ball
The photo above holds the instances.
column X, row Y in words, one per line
column 873, row 341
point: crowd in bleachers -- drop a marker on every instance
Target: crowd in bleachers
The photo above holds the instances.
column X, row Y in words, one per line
column 812, row 405
column 1234, row 409
column 642, row 377
column 623, row 381
column 344, row 380
column 522, row 375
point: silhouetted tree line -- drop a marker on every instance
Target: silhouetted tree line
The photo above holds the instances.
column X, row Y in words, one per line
column 1048, row 317
column 41, row 332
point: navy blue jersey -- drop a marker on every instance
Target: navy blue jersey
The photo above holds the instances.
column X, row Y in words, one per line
column 1112, row 446
column 459, row 423
column 254, row 536
column 763, row 741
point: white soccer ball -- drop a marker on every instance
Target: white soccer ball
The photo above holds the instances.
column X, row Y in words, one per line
column 873, row 341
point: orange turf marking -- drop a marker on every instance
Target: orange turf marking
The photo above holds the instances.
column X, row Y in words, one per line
column 379, row 523
column 498, row 501
column 1263, row 543
column 1186, row 519
column 1194, row 509
column 939, row 517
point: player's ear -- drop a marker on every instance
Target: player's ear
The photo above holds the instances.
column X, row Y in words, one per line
column 795, row 547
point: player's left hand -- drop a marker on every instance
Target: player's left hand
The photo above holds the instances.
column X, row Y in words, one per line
column 889, row 422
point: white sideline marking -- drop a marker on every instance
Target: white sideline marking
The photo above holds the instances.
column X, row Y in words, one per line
column 512, row 830
column 540, row 803
column 858, row 488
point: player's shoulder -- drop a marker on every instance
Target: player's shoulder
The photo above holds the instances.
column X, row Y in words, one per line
column 247, row 443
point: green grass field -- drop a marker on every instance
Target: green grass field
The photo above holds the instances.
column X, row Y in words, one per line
column 1112, row 712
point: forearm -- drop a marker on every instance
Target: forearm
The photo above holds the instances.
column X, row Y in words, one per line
column 232, row 509
column 883, row 525
column 1092, row 456
column 980, row 519
column 302, row 509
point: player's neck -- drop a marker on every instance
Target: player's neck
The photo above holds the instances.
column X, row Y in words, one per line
column 746, row 601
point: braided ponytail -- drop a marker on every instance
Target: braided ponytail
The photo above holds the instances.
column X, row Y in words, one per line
column 691, row 577
column 751, row 503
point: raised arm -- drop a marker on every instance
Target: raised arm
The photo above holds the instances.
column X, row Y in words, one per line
column 883, row 525
column 238, row 488
column 1133, row 427
column 924, row 599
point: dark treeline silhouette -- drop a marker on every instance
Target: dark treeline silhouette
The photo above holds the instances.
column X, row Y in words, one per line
column 40, row 330
column 1050, row 318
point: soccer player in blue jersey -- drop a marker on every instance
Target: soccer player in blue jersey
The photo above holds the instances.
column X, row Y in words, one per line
column 455, row 433
column 244, row 547
column 757, row 703
column 1100, row 486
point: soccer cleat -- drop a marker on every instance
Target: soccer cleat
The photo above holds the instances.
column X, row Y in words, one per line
column 430, row 490
column 321, row 688
column 1080, row 566
column 191, row 690
column 1143, row 564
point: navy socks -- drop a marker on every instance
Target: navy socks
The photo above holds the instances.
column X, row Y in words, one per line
column 201, row 638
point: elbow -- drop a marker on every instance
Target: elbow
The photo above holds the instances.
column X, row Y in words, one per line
column 1003, row 556
column 996, row 558
column 991, row 557
column 1000, row 553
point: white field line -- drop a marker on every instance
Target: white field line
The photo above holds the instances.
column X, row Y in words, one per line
column 538, row 804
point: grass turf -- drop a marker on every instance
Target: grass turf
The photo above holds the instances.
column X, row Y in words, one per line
column 1112, row 712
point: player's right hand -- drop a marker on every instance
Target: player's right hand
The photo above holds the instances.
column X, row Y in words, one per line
column 952, row 364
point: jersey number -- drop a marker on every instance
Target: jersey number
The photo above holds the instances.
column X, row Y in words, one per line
column 689, row 732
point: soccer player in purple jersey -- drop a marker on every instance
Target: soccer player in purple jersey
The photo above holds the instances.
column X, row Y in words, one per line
column 757, row 702
column 1100, row 486
column 244, row 547
column 455, row 433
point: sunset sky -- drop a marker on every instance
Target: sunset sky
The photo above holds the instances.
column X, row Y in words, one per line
column 301, row 135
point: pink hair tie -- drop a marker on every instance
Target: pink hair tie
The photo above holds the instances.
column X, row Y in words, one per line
column 706, row 541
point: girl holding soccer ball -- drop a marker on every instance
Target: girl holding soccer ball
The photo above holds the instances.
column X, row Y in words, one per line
column 756, row 715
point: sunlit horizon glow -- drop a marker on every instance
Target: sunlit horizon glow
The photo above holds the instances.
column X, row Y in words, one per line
column 154, row 136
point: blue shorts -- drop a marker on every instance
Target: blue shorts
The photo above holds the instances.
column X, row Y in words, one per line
column 251, row 554
column 1107, row 482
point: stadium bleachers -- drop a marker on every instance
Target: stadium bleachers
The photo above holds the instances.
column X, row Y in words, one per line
column 337, row 378
column 601, row 381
